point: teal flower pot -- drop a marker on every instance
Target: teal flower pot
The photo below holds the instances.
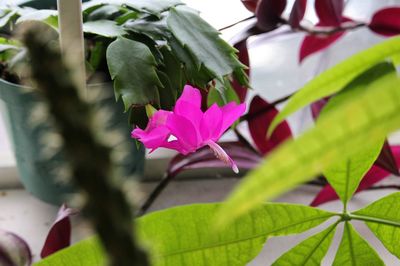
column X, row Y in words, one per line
column 39, row 174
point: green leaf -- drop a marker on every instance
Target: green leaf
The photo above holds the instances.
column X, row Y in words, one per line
column 108, row 12
column 167, row 93
column 151, row 6
column 383, row 218
column 222, row 94
column 156, row 29
column 196, row 76
column 203, row 42
column 346, row 175
column 173, row 69
column 47, row 16
column 106, row 28
column 354, row 250
column 342, row 133
column 133, row 69
column 336, row 78
column 183, row 236
column 310, row 251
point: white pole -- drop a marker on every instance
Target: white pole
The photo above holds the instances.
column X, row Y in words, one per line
column 71, row 38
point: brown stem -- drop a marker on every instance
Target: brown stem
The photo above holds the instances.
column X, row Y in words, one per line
column 248, row 117
column 236, row 23
column 155, row 194
column 385, row 187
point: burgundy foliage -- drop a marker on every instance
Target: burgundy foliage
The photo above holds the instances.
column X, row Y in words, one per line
column 374, row 175
column 316, row 107
column 313, row 43
column 251, row 5
column 244, row 157
column 59, row 235
column 244, row 58
column 269, row 13
column 386, row 22
column 259, row 124
column 329, row 12
column 297, row 13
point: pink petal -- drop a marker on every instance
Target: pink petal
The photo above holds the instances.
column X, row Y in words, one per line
column 230, row 113
column 187, row 135
column 190, row 95
column 152, row 139
column 211, row 123
column 156, row 133
column 221, row 154
column 189, row 111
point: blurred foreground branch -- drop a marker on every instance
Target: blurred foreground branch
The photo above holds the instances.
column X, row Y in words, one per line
column 91, row 165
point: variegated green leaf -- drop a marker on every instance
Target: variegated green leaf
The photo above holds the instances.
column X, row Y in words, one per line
column 355, row 251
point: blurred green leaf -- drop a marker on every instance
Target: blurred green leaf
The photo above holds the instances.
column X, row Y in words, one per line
column 345, row 176
column 336, row 78
column 383, row 218
column 133, row 69
column 47, row 16
column 342, row 133
column 309, row 252
column 354, row 250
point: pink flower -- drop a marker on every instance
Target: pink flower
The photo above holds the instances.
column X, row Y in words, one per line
column 187, row 128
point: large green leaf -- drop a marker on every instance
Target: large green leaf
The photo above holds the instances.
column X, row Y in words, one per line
column 106, row 28
column 184, row 236
column 341, row 134
column 355, row 251
column 309, row 252
column 203, row 42
column 383, row 218
column 345, row 176
column 133, row 69
column 336, row 78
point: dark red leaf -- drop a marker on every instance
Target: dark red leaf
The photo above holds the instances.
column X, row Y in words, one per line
column 329, row 12
column 260, row 121
column 244, row 157
column 244, row 58
column 386, row 21
column 312, row 44
column 59, row 235
column 297, row 13
column 386, row 160
column 251, row 5
column 269, row 13
column 373, row 176
column 316, row 107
